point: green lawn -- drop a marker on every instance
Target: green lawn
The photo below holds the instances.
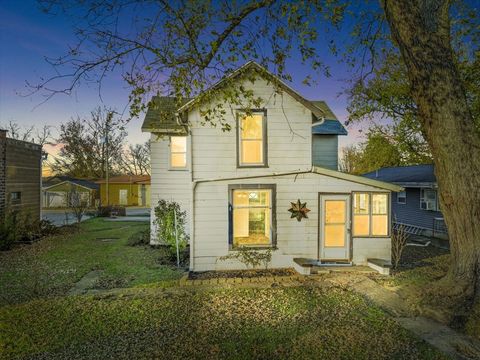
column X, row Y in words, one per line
column 147, row 319
column 294, row 323
column 52, row 266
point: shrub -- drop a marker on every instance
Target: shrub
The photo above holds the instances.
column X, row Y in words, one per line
column 165, row 212
column 20, row 227
column 399, row 241
column 8, row 233
column 107, row 211
column 250, row 257
column 140, row 238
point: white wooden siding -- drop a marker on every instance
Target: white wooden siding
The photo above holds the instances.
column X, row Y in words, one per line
column 294, row 239
column 171, row 185
column 215, row 151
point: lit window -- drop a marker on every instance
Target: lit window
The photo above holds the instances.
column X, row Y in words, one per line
column 361, row 214
column 252, row 217
column 428, row 199
column 178, row 152
column 370, row 214
column 251, row 140
column 402, row 197
column 379, row 214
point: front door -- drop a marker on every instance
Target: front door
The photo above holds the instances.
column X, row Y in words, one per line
column 334, row 227
column 123, row 196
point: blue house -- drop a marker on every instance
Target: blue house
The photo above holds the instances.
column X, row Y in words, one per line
column 418, row 207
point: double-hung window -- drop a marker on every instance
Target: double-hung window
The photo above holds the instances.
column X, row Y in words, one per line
column 402, row 197
column 178, row 152
column 370, row 214
column 428, row 199
column 252, row 220
column 252, row 144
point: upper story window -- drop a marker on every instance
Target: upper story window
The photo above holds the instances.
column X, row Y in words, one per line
column 370, row 214
column 252, row 140
column 178, row 152
column 428, row 199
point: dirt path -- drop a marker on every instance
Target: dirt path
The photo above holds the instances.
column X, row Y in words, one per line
column 445, row 339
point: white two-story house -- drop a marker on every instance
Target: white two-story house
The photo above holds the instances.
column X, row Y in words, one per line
column 237, row 187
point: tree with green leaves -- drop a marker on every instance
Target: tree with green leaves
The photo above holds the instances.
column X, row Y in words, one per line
column 181, row 48
column 376, row 152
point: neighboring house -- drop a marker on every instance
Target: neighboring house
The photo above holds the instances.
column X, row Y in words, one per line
column 238, row 187
column 20, row 176
column 56, row 189
column 418, row 206
column 126, row 190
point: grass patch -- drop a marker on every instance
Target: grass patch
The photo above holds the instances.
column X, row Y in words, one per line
column 53, row 265
column 295, row 323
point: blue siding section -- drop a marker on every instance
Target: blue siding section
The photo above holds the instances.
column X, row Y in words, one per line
column 325, row 151
column 410, row 213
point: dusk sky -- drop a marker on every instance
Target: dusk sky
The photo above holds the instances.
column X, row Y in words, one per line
column 28, row 35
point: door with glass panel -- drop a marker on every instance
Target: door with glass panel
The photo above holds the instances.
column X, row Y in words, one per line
column 334, row 227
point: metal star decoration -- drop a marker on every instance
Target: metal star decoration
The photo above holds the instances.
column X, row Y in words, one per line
column 299, row 210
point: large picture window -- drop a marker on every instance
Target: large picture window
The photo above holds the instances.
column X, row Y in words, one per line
column 252, row 140
column 252, row 219
column 370, row 214
column 178, row 152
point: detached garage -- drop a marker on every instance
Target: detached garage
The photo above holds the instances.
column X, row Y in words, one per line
column 56, row 189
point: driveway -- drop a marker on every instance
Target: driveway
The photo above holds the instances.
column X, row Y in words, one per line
column 137, row 211
column 61, row 217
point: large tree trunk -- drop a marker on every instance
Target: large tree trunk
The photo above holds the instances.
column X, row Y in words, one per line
column 421, row 29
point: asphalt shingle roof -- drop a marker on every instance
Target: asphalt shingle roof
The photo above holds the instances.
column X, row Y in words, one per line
column 161, row 114
column 405, row 174
column 55, row 180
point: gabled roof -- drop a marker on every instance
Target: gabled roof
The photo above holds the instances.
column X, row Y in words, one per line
column 322, row 105
column 413, row 174
column 161, row 116
column 58, row 179
column 127, row 179
column 263, row 72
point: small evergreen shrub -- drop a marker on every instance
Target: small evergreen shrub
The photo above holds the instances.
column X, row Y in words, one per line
column 165, row 221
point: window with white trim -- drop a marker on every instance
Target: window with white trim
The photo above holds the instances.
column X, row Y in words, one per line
column 178, row 152
column 251, row 140
column 252, row 217
column 428, row 199
column 402, row 197
column 370, row 214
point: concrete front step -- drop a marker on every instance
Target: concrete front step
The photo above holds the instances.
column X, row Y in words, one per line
column 306, row 266
column 381, row 265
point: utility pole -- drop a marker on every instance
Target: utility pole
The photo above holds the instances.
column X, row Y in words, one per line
column 109, row 118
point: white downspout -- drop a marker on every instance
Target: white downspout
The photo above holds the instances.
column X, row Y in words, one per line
column 192, row 207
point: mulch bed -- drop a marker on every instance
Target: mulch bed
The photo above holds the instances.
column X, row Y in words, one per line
column 240, row 274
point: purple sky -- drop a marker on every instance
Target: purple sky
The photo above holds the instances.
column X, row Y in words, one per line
column 27, row 36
